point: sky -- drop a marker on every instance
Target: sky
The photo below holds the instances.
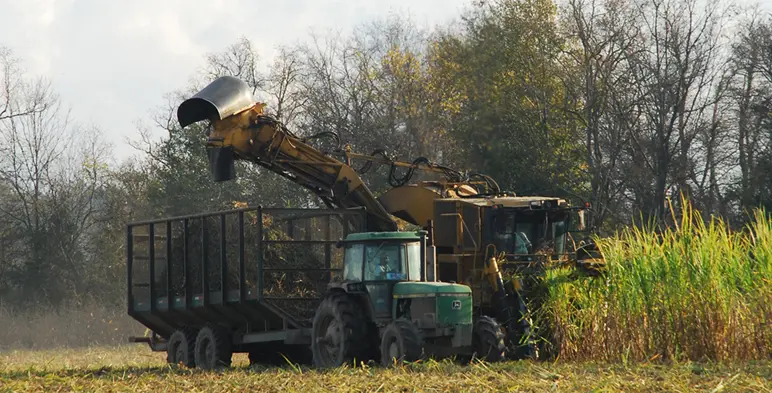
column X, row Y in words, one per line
column 111, row 62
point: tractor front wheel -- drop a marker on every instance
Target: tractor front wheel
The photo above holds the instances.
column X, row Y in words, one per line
column 488, row 340
column 401, row 342
column 339, row 332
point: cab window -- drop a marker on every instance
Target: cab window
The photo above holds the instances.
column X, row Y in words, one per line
column 352, row 269
column 385, row 261
column 414, row 261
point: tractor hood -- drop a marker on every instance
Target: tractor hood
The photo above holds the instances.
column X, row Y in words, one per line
column 437, row 303
column 423, row 289
column 223, row 97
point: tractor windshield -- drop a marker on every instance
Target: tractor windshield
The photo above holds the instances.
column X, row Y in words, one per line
column 389, row 260
column 529, row 231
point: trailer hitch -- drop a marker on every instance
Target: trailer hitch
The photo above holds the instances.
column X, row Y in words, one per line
column 155, row 342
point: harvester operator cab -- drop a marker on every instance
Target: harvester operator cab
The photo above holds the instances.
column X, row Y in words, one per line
column 523, row 232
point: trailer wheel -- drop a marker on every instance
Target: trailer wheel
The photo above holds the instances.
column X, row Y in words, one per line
column 339, row 333
column 488, row 340
column 401, row 342
column 180, row 347
column 213, row 348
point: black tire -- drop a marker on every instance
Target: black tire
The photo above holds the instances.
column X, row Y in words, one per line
column 522, row 329
column 213, row 348
column 180, row 347
column 339, row 334
column 488, row 340
column 401, row 342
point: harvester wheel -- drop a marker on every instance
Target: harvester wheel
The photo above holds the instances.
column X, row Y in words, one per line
column 401, row 342
column 488, row 340
column 213, row 348
column 180, row 347
column 517, row 349
column 339, row 333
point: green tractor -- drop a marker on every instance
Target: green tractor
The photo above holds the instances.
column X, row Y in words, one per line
column 389, row 308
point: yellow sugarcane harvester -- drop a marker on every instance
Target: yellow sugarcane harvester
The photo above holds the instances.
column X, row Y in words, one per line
column 479, row 235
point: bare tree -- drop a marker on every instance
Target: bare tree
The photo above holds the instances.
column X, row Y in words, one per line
column 605, row 34
column 751, row 92
column 282, row 86
column 372, row 89
column 50, row 172
column 676, row 69
column 10, row 86
column 33, row 143
column 239, row 60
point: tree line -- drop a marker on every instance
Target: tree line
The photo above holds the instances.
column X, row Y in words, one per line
column 625, row 104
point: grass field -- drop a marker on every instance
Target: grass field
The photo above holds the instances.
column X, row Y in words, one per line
column 683, row 310
column 136, row 369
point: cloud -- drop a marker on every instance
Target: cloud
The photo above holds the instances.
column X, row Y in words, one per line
column 112, row 62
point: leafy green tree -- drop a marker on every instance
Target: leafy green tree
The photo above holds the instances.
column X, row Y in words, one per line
column 505, row 97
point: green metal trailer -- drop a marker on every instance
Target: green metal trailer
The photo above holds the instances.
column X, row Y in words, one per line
column 237, row 281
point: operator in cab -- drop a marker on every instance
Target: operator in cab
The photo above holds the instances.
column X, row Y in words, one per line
column 385, row 266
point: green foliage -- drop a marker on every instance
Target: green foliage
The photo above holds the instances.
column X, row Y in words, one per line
column 182, row 183
column 504, row 98
column 696, row 291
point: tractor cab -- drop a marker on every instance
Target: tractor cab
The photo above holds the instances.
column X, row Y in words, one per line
column 388, row 304
column 374, row 262
column 383, row 256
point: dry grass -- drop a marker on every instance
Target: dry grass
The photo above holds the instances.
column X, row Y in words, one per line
column 136, row 369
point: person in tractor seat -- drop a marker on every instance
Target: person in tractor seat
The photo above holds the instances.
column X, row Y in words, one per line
column 385, row 266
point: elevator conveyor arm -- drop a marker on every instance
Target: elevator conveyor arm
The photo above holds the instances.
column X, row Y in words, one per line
column 241, row 131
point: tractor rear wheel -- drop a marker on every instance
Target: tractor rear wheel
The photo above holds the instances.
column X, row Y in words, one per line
column 213, row 348
column 401, row 342
column 339, row 332
column 488, row 340
column 180, row 347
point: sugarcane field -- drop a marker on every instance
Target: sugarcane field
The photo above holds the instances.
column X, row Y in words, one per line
column 436, row 196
